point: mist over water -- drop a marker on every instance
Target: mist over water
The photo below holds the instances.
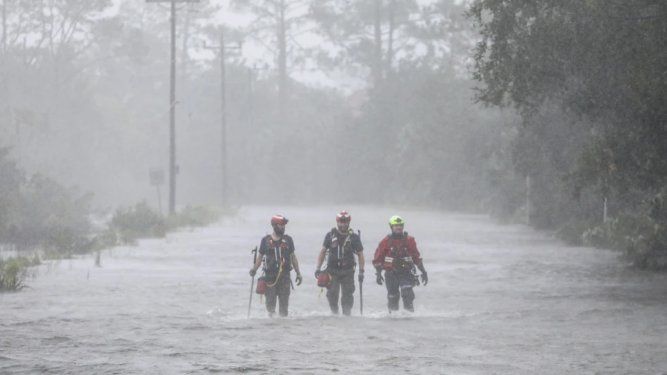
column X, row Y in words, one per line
column 91, row 108
column 501, row 299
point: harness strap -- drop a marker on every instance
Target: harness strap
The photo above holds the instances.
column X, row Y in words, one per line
column 280, row 272
column 278, row 254
column 341, row 248
column 340, row 251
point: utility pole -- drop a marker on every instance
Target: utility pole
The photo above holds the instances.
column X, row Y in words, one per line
column 5, row 96
column 224, row 173
column 173, row 170
column 223, row 123
column 528, row 205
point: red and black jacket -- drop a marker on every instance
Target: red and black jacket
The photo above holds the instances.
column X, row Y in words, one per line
column 395, row 253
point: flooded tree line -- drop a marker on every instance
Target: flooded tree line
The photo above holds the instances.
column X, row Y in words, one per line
column 549, row 113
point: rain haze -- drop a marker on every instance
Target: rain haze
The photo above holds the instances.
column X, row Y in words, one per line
column 333, row 186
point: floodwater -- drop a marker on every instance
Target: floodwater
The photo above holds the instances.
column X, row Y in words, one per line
column 501, row 300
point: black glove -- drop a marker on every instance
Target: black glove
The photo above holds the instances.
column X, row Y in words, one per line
column 424, row 278
column 298, row 279
column 253, row 272
column 318, row 273
column 360, row 277
column 378, row 277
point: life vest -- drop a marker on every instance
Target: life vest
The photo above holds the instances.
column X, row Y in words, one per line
column 398, row 257
column 340, row 255
column 278, row 253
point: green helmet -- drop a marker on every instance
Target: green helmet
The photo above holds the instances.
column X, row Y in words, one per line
column 396, row 220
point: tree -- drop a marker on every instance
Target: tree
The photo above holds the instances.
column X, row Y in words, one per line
column 11, row 180
column 277, row 21
column 46, row 43
column 362, row 32
column 601, row 62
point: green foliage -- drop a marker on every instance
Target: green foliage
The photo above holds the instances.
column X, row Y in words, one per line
column 13, row 272
column 137, row 222
column 596, row 70
column 141, row 221
column 50, row 216
column 105, row 239
column 574, row 232
column 11, row 180
column 642, row 236
column 39, row 213
column 192, row 217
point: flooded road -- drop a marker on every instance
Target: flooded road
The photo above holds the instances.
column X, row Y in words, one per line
column 501, row 299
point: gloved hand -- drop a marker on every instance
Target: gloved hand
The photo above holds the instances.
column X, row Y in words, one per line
column 299, row 279
column 253, row 272
column 424, row 278
column 318, row 273
column 360, row 277
column 378, row 277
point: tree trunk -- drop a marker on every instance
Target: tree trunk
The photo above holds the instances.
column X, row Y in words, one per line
column 223, row 125
column 282, row 60
column 377, row 53
column 390, row 37
column 172, row 113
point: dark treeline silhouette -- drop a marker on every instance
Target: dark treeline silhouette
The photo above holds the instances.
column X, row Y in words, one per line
column 588, row 78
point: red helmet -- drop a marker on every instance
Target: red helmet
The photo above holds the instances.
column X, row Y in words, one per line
column 343, row 217
column 279, row 219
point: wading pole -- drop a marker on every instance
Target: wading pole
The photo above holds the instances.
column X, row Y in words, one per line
column 361, row 287
column 361, row 298
column 252, row 284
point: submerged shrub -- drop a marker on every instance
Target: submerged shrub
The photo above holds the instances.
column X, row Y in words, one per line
column 13, row 272
column 137, row 222
column 49, row 216
column 141, row 221
column 197, row 216
column 642, row 236
column 574, row 231
column 105, row 239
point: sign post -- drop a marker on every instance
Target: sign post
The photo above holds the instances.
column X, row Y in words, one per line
column 156, row 176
